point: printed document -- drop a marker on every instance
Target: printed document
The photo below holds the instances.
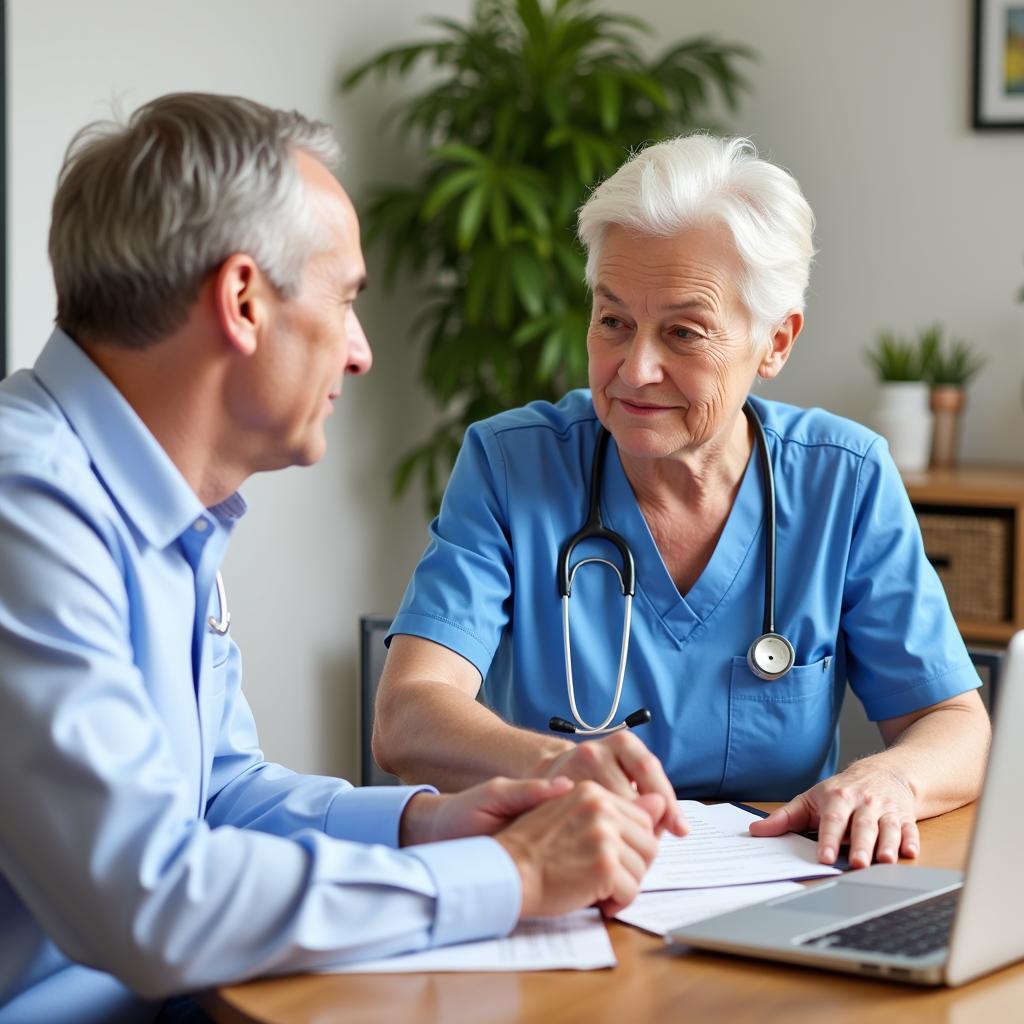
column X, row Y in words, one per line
column 720, row 850
column 575, row 942
column 661, row 912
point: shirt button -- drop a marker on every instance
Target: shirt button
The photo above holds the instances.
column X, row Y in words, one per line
column 200, row 526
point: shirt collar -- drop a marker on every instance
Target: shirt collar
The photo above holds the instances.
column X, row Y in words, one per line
column 134, row 468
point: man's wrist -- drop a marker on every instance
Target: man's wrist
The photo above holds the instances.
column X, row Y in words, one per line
column 520, row 857
column 417, row 823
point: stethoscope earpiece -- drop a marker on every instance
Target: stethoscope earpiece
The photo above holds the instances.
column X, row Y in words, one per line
column 556, row 724
column 639, row 717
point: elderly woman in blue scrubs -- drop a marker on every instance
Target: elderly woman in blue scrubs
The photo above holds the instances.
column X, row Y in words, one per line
column 698, row 261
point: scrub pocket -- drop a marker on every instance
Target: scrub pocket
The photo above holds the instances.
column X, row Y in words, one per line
column 780, row 732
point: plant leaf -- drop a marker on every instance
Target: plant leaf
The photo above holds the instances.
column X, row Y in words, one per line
column 530, row 200
column 471, row 215
column 498, row 213
column 447, row 189
column 530, row 101
column 609, row 98
column 529, row 277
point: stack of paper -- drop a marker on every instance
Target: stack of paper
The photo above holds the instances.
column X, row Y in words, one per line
column 661, row 912
column 719, row 866
column 720, row 850
column 577, row 941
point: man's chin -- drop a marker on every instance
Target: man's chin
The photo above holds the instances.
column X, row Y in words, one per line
column 306, row 455
column 311, row 455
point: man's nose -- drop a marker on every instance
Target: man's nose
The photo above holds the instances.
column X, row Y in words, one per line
column 360, row 356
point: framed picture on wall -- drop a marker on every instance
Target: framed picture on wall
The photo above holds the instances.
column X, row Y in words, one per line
column 998, row 64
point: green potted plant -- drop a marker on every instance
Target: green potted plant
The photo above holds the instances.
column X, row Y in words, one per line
column 532, row 104
column 902, row 415
column 949, row 367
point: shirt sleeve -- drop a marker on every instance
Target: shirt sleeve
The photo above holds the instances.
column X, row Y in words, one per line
column 904, row 651
column 247, row 791
column 101, row 842
column 461, row 592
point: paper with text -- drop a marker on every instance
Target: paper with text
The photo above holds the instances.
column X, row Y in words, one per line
column 720, row 850
column 575, row 942
column 661, row 912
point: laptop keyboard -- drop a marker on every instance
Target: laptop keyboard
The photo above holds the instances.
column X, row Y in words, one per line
column 915, row 930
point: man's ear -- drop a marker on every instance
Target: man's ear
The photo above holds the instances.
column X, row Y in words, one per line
column 239, row 295
column 780, row 345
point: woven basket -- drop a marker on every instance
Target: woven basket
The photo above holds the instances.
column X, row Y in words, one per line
column 972, row 555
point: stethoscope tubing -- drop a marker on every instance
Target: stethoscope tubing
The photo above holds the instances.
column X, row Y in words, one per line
column 623, row 656
column 768, row 477
column 758, row 654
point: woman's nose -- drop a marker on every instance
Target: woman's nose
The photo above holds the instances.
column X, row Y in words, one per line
column 642, row 361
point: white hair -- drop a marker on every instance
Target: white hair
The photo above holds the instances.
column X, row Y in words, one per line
column 698, row 180
column 146, row 209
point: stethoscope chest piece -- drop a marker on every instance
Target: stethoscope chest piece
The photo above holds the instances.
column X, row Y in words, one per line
column 770, row 656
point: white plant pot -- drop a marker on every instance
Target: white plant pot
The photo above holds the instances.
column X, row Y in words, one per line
column 903, row 418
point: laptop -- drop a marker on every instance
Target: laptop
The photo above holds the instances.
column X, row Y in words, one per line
column 929, row 926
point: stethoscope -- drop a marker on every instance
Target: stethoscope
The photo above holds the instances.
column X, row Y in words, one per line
column 221, row 625
column 770, row 656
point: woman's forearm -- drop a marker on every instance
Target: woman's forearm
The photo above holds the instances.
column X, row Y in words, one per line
column 429, row 728
column 428, row 732
column 941, row 755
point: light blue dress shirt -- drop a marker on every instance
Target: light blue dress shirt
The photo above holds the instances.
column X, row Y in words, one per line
column 855, row 594
column 146, row 847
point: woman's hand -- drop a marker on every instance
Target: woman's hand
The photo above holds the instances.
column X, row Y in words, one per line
column 624, row 766
column 871, row 803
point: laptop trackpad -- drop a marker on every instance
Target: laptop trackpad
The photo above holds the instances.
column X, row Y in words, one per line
column 848, row 900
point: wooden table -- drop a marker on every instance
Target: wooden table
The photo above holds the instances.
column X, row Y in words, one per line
column 649, row 985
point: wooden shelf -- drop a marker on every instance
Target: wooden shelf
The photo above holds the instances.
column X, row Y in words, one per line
column 987, row 632
column 978, row 489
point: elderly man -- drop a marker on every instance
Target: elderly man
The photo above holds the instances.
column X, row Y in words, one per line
column 207, row 264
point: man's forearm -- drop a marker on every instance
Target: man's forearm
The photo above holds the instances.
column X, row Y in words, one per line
column 433, row 732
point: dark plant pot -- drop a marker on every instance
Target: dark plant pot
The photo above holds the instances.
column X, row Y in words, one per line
column 947, row 404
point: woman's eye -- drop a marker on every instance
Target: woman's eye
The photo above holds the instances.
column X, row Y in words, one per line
column 612, row 322
column 684, row 334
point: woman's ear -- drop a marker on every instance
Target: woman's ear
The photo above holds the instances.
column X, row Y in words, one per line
column 239, row 295
column 780, row 345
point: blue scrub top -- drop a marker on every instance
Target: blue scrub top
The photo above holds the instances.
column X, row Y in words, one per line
column 855, row 594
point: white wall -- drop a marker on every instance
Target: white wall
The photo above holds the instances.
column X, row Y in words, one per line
column 919, row 219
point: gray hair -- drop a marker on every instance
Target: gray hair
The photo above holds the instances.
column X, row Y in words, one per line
column 697, row 180
column 145, row 210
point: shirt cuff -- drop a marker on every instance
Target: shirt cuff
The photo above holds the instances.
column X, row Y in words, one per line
column 370, row 814
column 479, row 891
